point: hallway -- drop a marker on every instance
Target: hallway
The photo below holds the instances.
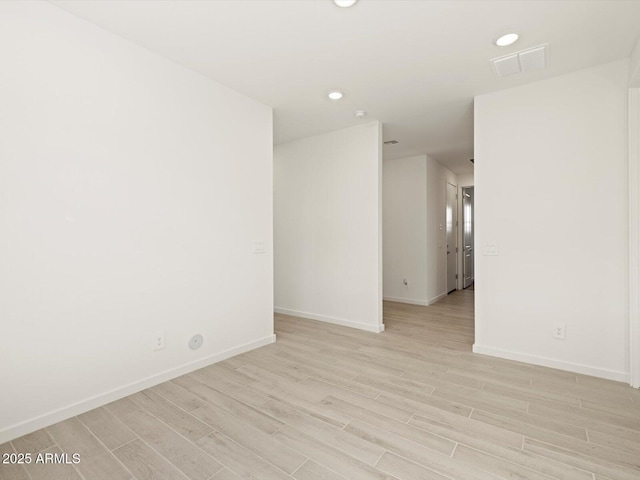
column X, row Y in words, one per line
column 445, row 324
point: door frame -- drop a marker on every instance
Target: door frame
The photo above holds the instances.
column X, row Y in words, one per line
column 455, row 221
column 634, row 232
column 461, row 230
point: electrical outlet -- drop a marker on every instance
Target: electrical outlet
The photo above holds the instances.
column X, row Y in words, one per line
column 158, row 341
column 559, row 331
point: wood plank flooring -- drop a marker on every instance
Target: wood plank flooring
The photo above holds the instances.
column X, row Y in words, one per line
column 332, row 403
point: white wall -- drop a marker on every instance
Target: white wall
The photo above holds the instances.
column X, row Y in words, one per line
column 437, row 178
column 132, row 190
column 634, row 67
column 327, row 229
column 551, row 191
column 415, row 236
column 404, row 216
column 634, row 214
column 464, row 180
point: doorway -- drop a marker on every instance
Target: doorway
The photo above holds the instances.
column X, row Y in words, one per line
column 452, row 237
column 467, row 237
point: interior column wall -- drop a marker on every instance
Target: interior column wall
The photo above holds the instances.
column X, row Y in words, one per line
column 328, row 227
column 405, row 229
column 560, row 230
column 634, row 214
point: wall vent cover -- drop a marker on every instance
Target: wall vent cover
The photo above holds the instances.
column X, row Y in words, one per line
column 522, row 61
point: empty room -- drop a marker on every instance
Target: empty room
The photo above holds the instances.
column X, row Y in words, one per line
column 319, row 240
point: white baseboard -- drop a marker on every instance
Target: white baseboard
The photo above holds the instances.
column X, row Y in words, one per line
column 55, row 416
column 437, row 299
column 410, row 301
column 334, row 320
column 551, row 363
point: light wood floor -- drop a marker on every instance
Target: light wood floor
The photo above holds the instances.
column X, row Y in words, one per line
column 327, row 402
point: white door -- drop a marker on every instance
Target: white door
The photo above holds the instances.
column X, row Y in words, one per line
column 452, row 236
column 467, row 236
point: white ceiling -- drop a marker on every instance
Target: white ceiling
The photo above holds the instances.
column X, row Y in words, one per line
column 415, row 65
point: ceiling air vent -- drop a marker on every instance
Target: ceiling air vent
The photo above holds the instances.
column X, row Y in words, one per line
column 391, row 142
column 522, row 61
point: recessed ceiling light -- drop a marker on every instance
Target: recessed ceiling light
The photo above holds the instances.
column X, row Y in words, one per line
column 345, row 3
column 507, row 39
column 335, row 95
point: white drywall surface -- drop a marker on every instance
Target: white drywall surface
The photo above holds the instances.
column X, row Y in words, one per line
column 405, row 229
column 132, row 191
column 327, row 208
column 551, row 193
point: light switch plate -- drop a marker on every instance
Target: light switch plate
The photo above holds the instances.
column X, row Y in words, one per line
column 259, row 246
column 490, row 248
